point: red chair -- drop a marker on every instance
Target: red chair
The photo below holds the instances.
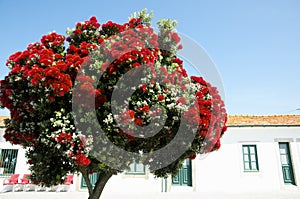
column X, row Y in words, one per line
column 10, row 182
column 26, row 183
column 69, row 179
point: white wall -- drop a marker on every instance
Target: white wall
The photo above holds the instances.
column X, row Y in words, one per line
column 219, row 171
column 223, row 170
column 123, row 183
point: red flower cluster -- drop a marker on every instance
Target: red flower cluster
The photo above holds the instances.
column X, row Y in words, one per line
column 133, row 23
column 83, row 50
column 64, row 138
column 85, row 32
column 82, row 160
column 19, row 137
column 39, row 64
column 53, row 39
column 209, row 114
column 111, row 28
column 92, row 23
column 161, row 97
column 85, row 90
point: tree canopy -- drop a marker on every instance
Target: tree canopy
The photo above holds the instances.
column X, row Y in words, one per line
column 105, row 94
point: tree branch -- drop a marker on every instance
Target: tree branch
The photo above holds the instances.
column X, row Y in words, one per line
column 85, row 174
column 100, row 184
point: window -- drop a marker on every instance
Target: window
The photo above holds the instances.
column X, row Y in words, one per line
column 136, row 168
column 250, row 158
column 8, row 161
column 286, row 163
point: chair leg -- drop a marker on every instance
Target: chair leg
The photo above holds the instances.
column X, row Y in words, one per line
column 30, row 187
column 39, row 188
column 59, row 188
column 6, row 188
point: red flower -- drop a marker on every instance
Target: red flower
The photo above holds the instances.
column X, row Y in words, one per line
column 61, row 65
column 199, row 80
column 160, row 97
column 218, row 144
column 164, row 71
column 144, row 87
column 77, row 32
column 193, row 157
column 138, row 121
column 64, row 137
column 175, row 37
column 166, row 80
column 131, row 113
column 82, row 160
column 202, row 133
column 51, row 98
column 145, row 109
column 130, row 137
column 100, row 98
column 181, row 100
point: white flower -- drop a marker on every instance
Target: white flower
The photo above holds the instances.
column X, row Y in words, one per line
column 109, row 119
column 172, row 105
column 58, row 146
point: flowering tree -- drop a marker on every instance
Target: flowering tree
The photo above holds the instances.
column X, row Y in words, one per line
column 115, row 93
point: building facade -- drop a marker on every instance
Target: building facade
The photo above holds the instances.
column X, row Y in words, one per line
column 258, row 153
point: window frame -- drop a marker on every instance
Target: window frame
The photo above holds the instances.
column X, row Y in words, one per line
column 9, row 165
column 288, row 164
column 248, row 164
column 135, row 171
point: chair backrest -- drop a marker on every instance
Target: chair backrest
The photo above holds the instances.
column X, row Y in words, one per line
column 69, row 179
column 14, row 178
column 25, row 178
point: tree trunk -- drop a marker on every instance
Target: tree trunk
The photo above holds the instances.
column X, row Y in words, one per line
column 100, row 184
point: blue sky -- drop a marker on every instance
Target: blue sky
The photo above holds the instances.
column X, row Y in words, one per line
column 255, row 44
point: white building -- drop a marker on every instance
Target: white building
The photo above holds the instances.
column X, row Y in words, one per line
column 258, row 153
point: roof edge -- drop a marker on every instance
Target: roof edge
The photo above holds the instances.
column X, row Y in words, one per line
column 266, row 125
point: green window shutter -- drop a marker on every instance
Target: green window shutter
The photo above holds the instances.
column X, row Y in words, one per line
column 286, row 163
column 184, row 176
column 93, row 179
column 176, row 179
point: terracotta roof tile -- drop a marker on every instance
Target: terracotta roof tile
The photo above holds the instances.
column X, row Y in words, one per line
column 246, row 120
